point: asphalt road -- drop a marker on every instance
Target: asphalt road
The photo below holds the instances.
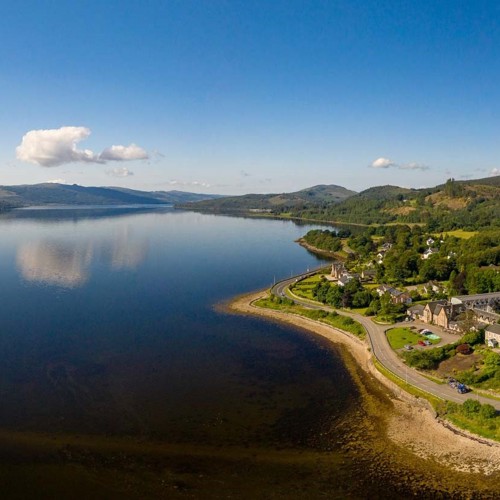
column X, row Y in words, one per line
column 384, row 353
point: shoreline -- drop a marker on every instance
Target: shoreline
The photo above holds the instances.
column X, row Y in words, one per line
column 413, row 425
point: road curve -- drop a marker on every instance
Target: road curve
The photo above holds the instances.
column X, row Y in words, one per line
column 383, row 351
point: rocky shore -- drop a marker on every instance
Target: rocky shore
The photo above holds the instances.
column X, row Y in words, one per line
column 412, row 425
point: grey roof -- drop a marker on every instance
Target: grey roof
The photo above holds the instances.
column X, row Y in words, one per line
column 493, row 328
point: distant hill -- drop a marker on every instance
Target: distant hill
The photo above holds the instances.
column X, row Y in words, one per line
column 467, row 204
column 63, row 194
column 316, row 195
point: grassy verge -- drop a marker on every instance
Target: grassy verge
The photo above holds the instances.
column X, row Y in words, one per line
column 414, row 391
column 330, row 318
column 468, row 416
column 480, row 419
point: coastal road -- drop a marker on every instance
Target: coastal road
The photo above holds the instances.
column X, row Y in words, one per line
column 383, row 351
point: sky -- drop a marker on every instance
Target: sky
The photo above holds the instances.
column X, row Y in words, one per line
column 234, row 97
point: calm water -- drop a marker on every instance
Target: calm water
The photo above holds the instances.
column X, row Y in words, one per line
column 119, row 379
column 108, row 326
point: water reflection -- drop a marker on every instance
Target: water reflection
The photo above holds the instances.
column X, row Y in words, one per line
column 64, row 263
column 54, row 262
column 126, row 252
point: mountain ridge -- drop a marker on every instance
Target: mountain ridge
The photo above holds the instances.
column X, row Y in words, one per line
column 26, row 195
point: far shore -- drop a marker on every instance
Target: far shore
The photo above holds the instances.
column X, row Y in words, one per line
column 413, row 424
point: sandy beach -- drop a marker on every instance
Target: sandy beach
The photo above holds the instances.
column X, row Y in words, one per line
column 412, row 425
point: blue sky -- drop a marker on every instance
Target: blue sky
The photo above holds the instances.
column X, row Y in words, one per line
column 249, row 96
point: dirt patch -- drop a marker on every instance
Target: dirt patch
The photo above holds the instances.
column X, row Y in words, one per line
column 400, row 210
column 458, row 363
column 442, row 200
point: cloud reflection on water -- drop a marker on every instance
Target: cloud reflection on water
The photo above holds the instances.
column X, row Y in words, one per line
column 67, row 264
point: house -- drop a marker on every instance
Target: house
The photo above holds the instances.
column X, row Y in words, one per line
column 344, row 279
column 397, row 296
column 338, row 269
column 368, row 274
column 492, row 335
column 385, row 247
column 380, row 256
column 444, row 314
column 429, row 252
column 430, row 242
column 415, row 312
column 430, row 310
column 433, row 287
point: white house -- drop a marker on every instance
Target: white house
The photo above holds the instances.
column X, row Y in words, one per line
column 492, row 335
column 429, row 252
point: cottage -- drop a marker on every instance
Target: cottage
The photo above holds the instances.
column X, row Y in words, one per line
column 368, row 274
column 430, row 242
column 433, row 287
column 492, row 335
column 397, row 296
column 344, row 279
column 429, row 252
column 415, row 312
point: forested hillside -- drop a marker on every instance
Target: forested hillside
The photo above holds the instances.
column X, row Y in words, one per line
column 322, row 195
column 454, row 205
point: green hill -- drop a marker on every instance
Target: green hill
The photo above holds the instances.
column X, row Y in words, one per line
column 63, row 194
column 468, row 205
column 279, row 203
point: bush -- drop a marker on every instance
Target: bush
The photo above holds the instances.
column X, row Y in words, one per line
column 464, row 349
column 471, row 406
column 487, row 411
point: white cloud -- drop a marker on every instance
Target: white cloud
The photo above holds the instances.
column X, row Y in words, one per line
column 56, row 181
column 175, row 182
column 387, row 163
column 120, row 172
column 54, row 147
column 413, row 166
column 382, row 163
column 495, row 171
column 124, row 153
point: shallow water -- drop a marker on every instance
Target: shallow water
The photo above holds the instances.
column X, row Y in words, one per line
column 119, row 375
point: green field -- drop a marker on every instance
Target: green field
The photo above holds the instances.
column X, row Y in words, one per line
column 458, row 233
column 304, row 287
column 399, row 337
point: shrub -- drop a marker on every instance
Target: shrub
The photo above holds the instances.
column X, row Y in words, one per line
column 464, row 349
column 471, row 406
column 487, row 411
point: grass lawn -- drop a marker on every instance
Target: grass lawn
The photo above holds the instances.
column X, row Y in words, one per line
column 399, row 337
column 305, row 287
column 458, row 233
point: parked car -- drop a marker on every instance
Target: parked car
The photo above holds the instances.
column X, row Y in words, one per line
column 421, row 342
column 408, row 347
column 427, row 342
